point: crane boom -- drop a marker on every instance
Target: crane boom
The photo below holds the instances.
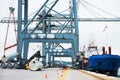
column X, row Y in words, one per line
column 79, row 19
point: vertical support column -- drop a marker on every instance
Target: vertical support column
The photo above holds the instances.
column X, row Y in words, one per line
column 76, row 27
column 53, row 60
column 44, row 44
column 49, row 54
column 25, row 13
column 49, row 26
column 26, row 42
column 44, row 27
column 75, row 17
column 19, row 29
column 49, row 59
column 44, row 53
column 25, row 52
column 74, row 54
column 71, row 15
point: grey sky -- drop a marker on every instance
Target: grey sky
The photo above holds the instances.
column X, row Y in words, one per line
column 85, row 28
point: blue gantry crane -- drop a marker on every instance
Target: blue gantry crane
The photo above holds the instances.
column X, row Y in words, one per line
column 52, row 36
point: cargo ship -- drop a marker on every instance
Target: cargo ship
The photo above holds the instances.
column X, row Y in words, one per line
column 105, row 63
column 100, row 60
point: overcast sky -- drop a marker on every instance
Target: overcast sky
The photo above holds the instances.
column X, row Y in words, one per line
column 85, row 28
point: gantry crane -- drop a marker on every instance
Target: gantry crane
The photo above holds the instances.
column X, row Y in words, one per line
column 52, row 39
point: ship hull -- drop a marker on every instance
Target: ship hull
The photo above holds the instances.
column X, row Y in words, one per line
column 104, row 63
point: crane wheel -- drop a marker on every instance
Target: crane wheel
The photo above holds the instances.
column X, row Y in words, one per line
column 9, row 65
column 16, row 66
column 3, row 65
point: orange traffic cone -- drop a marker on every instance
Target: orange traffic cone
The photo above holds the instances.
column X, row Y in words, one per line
column 46, row 76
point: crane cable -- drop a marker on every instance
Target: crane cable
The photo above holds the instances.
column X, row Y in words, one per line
column 8, row 26
column 100, row 9
column 91, row 11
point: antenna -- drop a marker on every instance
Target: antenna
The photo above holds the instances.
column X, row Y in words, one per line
column 105, row 30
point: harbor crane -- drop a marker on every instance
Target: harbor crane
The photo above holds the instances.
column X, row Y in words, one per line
column 53, row 37
column 52, row 40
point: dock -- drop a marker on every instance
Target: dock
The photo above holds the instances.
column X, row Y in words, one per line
column 52, row 74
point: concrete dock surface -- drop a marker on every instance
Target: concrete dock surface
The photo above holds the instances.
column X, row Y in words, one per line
column 52, row 74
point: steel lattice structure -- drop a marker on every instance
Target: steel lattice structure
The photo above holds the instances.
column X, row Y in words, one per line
column 52, row 36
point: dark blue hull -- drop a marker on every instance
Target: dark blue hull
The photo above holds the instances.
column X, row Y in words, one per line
column 104, row 63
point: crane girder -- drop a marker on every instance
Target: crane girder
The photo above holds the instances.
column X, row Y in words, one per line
column 63, row 19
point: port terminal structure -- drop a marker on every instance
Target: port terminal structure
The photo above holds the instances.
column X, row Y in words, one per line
column 52, row 36
column 53, row 29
